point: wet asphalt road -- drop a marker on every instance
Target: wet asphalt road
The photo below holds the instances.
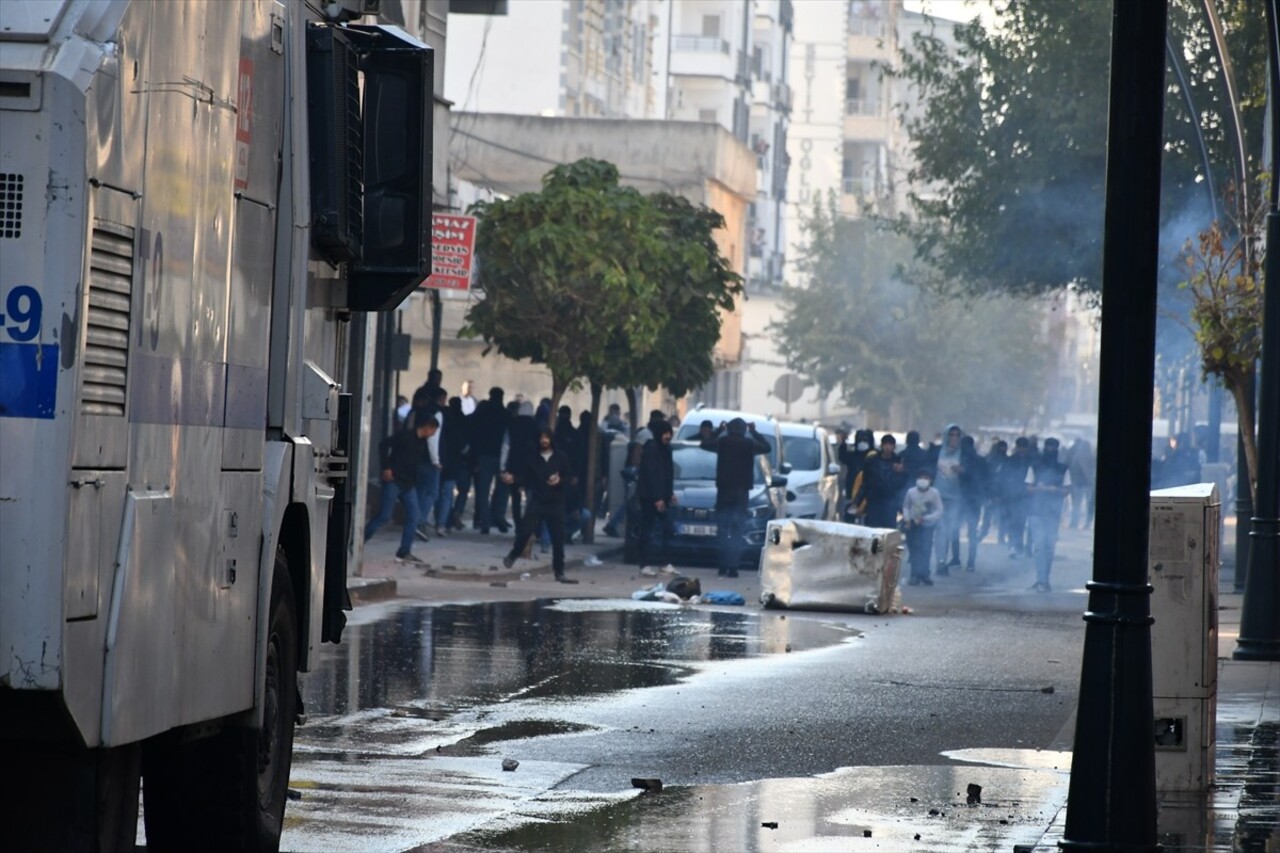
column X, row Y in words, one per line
column 736, row 710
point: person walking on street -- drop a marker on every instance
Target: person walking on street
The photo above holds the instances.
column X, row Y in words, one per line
column 545, row 479
column 921, row 510
column 1083, row 467
column 1013, row 486
column 1048, row 483
column 656, row 493
column 488, row 430
column 948, row 465
column 973, row 494
column 460, row 424
column 401, row 454
column 883, row 479
column 994, row 506
column 736, row 448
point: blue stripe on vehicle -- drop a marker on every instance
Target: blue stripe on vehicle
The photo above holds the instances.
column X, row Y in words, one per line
column 28, row 380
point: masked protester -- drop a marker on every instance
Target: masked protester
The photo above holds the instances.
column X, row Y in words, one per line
column 736, row 448
column 656, row 493
column 921, row 510
column 545, row 479
column 1048, row 484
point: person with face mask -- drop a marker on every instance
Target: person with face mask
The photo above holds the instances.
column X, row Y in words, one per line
column 655, row 490
column 948, row 465
column 921, row 510
column 1048, row 482
column 1013, row 488
column 545, row 479
column 855, row 461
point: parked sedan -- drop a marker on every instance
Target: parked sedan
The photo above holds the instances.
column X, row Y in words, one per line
column 694, row 538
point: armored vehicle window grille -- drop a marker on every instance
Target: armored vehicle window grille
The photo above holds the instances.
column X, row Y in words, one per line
column 106, row 350
column 10, row 205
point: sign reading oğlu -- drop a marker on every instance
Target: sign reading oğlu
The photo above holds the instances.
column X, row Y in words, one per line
column 453, row 244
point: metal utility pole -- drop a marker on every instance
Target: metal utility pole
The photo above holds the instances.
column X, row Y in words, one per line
column 1111, row 803
column 1259, row 623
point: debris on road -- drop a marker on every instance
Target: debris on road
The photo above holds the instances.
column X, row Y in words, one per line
column 295, row 794
column 509, row 764
column 866, row 833
column 650, row 785
column 1048, row 689
column 974, row 793
column 770, row 824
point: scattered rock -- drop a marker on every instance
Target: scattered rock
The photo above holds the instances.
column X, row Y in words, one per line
column 509, row 764
column 915, row 799
column 399, row 712
column 295, row 794
column 974, row 794
column 651, row 785
column 1048, row 690
column 788, row 648
column 866, row 833
column 934, row 812
column 770, row 824
column 917, row 838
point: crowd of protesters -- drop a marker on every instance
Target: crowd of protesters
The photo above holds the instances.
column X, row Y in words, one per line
column 948, row 489
column 519, row 468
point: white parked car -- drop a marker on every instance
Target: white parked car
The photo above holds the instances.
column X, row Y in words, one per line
column 813, row 478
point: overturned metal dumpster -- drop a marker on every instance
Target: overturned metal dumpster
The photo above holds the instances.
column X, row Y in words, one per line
column 827, row 565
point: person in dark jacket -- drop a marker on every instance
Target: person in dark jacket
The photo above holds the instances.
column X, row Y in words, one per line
column 1013, row 487
column 884, row 481
column 736, row 448
column 973, row 494
column 1048, row 484
column 656, row 493
column 914, row 456
column 401, row 454
column 462, row 474
column 994, row 507
column 522, row 444
column 488, row 429
column 545, row 479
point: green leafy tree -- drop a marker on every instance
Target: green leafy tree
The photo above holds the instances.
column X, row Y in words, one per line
column 895, row 350
column 597, row 281
column 1009, row 143
column 566, row 269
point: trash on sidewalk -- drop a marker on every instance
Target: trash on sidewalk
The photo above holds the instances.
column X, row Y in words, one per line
column 974, row 797
column 650, row 785
column 829, row 565
column 723, row 597
column 593, row 561
column 510, row 764
column 649, row 571
column 684, row 587
column 652, row 593
column 524, row 576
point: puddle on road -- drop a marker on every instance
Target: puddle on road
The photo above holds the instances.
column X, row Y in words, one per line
column 853, row 809
column 428, row 662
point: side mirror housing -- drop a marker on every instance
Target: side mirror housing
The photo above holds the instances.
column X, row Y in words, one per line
column 777, row 481
column 834, row 469
column 784, row 468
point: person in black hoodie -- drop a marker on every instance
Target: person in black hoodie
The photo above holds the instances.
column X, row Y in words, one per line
column 522, row 444
column 488, row 429
column 401, row 453
column 545, row 479
column 736, row 450
column 884, row 483
column 656, row 493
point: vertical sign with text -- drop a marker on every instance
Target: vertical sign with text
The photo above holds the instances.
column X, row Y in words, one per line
column 453, row 243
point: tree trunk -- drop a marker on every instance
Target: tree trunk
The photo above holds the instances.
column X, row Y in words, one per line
column 559, row 384
column 1244, row 416
column 593, row 453
column 633, row 408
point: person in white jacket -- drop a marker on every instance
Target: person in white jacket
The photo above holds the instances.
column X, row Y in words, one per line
column 921, row 509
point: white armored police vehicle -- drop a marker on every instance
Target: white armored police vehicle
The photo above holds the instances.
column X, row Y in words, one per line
column 200, row 201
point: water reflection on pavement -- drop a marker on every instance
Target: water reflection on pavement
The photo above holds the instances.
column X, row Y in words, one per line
column 402, row 713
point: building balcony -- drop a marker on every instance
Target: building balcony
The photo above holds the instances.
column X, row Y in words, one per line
column 699, row 44
column 862, row 107
column 703, row 56
column 871, row 128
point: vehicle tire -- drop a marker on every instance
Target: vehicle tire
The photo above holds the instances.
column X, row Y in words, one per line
column 227, row 792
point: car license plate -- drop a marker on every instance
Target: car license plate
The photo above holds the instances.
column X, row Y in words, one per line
column 699, row 530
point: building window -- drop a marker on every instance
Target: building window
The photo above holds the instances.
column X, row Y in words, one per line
column 707, row 115
column 711, row 26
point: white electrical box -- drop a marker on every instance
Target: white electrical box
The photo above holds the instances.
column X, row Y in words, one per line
column 1183, row 572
